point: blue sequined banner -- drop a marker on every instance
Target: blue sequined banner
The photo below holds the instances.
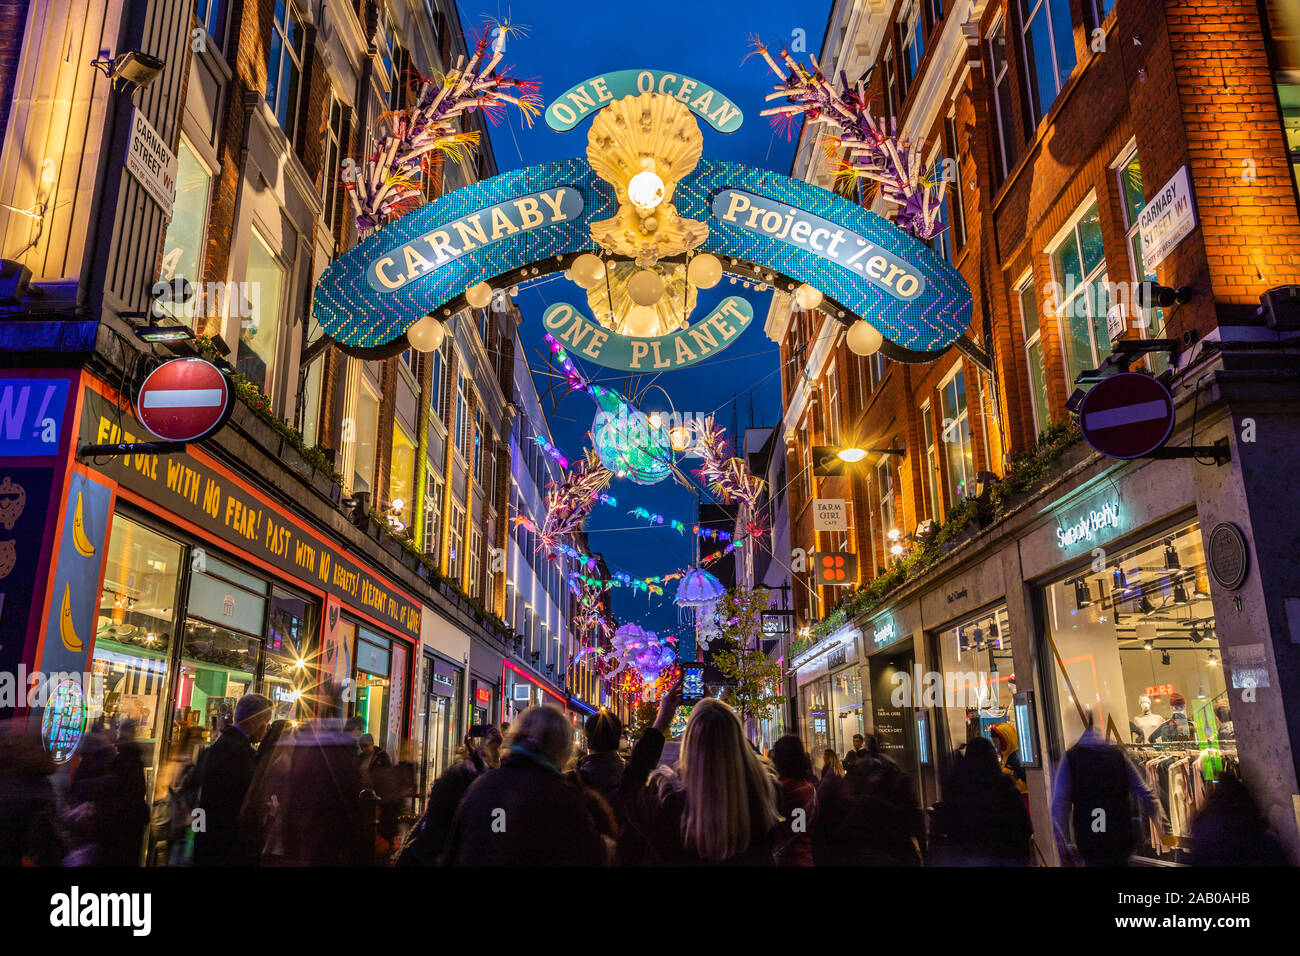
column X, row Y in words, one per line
column 357, row 315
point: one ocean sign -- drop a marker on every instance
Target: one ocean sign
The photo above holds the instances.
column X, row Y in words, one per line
column 590, row 96
column 703, row 339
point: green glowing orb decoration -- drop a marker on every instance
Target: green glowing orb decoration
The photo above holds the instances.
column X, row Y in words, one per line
column 626, row 441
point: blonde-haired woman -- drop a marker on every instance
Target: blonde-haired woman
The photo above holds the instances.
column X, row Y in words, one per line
column 720, row 805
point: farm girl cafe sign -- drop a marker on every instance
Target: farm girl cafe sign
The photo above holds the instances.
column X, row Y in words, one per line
column 198, row 490
column 702, row 339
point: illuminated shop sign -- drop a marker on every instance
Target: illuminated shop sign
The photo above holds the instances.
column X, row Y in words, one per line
column 884, row 634
column 1089, row 525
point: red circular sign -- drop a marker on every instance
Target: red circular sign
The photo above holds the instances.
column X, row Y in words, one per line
column 185, row 400
column 1127, row 415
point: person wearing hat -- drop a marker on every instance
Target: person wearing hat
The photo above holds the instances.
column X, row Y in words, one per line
column 1007, row 744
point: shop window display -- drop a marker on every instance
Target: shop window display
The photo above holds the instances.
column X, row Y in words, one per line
column 813, row 705
column 846, row 709
column 978, row 676
column 288, row 672
column 135, row 631
column 373, row 660
column 1136, row 643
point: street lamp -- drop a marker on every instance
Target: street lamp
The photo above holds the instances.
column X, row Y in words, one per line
column 853, row 454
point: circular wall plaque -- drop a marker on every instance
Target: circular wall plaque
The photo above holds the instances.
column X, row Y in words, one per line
column 1229, row 559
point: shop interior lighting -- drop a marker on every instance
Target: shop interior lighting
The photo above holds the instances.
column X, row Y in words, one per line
column 1164, row 658
column 1082, row 596
column 1180, row 594
column 1212, row 660
column 1171, row 555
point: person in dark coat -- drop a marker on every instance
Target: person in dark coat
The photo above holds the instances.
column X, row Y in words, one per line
column 866, row 818
column 982, row 820
column 428, row 838
column 798, row 802
column 602, row 768
column 525, row 813
column 127, row 809
column 1094, row 785
column 323, row 820
column 29, row 834
column 225, row 775
column 1229, row 830
column 719, row 806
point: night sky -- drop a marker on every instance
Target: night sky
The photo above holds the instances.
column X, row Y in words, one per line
column 570, row 42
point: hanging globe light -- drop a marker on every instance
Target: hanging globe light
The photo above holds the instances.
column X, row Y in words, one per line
column 705, row 271
column 863, row 339
column 478, row 295
column 426, row 334
column 587, row 270
column 645, row 287
column 808, row 297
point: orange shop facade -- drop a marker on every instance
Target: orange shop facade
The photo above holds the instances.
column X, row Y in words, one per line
column 175, row 585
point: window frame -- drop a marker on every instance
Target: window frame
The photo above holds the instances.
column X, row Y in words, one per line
column 1034, row 340
column 1098, row 276
column 297, row 57
column 928, row 434
column 950, row 379
column 1004, row 127
column 286, row 279
column 1030, row 72
column 196, row 280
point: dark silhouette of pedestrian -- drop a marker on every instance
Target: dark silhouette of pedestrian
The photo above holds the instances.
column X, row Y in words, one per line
column 799, row 808
column 982, row 820
column 225, row 774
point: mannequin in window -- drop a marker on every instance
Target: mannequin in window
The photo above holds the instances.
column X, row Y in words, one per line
column 1177, row 727
column 1146, row 723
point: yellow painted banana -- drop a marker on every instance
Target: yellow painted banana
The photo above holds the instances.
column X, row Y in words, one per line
column 79, row 539
column 66, row 629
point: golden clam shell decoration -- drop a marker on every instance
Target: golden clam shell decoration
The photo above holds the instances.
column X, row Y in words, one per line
column 651, row 133
column 614, row 309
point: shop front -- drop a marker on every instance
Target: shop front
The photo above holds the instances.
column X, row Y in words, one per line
column 521, row 690
column 1133, row 642
column 440, row 723
column 828, row 676
column 204, row 590
column 485, row 703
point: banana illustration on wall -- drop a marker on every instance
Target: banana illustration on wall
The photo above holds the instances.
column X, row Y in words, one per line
column 79, row 539
column 66, row 629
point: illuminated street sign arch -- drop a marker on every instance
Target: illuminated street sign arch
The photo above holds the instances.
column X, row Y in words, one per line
column 533, row 221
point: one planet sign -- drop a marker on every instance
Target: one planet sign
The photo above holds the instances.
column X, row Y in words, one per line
column 704, row 338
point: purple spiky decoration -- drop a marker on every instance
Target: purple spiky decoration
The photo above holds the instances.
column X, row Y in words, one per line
column 410, row 144
column 873, row 150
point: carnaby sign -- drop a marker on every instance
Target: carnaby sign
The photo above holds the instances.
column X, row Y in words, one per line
column 428, row 252
column 704, row 338
column 536, row 218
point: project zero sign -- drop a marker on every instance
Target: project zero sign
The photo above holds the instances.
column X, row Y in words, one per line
column 184, row 400
column 1127, row 415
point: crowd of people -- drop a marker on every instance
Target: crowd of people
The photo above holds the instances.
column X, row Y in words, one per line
column 266, row 793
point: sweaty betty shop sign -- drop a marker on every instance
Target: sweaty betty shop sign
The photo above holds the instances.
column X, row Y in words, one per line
column 1089, row 525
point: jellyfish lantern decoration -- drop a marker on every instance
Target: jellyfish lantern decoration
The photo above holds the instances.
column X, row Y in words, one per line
column 628, row 641
column 654, row 659
column 701, row 590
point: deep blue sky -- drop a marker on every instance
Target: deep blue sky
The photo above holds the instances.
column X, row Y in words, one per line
column 570, row 42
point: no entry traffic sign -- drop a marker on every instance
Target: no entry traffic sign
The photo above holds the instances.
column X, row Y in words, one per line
column 184, row 400
column 1127, row 415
